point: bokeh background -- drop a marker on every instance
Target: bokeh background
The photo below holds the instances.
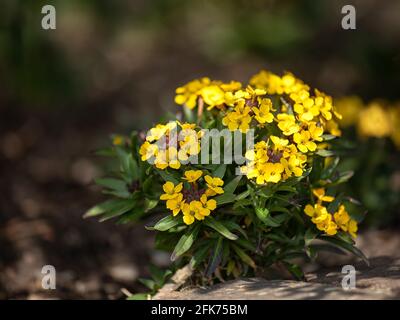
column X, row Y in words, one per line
column 112, row 66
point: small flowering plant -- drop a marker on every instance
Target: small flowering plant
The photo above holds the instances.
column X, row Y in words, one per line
column 276, row 201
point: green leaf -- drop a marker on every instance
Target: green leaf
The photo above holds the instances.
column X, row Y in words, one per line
column 168, row 177
column 220, row 171
column 328, row 137
column 295, row 270
column 310, row 235
column 111, row 183
column 114, row 205
column 199, row 256
column 138, row 296
column 148, row 283
column 123, row 207
column 215, row 258
column 264, row 215
column 132, row 215
column 243, row 195
column 167, row 223
column 246, row 244
column 105, row 152
column 232, row 185
column 225, row 198
column 149, row 204
column 328, row 171
column 346, row 246
column 128, row 165
column 325, row 153
column 243, row 256
column 185, row 242
column 219, row 227
column 343, row 177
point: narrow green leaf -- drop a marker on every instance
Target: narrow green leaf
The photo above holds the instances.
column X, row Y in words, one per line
column 215, row 258
column 325, row 153
column 218, row 226
column 111, row 183
column 220, row 171
column 225, row 198
column 346, row 246
column 232, row 185
column 167, row 223
column 148, row 283
column 109, row 205
column 185, row 242
column 149, row 204
column 138, row 296
column 243, row 256
column 264, row 215
column 199, row 256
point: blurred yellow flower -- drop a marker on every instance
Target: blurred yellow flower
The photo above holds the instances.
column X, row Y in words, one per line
column 374, row 122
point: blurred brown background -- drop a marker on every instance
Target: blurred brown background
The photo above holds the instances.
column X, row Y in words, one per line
column 112, row 66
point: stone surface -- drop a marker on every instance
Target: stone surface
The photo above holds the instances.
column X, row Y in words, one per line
column 380, row 280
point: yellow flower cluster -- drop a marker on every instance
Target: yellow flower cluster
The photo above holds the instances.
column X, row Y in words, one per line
column 299, row 107
column 212, row 92
column 273, row 162
column 327, row 222
column 377, row 119
column 273, row 102
column 192, row 198
column 162, row 144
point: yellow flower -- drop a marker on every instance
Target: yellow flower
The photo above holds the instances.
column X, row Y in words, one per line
column 156, row 133
column 320, row 194
column 274, row 84
column 322, row 219
column 167, row 158
column 315, row 131
column 263, row 113
column 374, row 122
column 292, row 165
column 171, row 191
column 350, row 107
column 352, row 228
column 147, row 150
column 189, row 146
column 268, row 172
column 324, row 103
column 187, row 95
column 176, row 204
column 187, row 126
column 118, row 140
column 191, row 212
column 304, row 141
column 332, row 127
column 304, row 105
column 214, row 185
column 235, row 121
column 279, row 142
column 231, row 86
column 342, row 218
column 193, row 175
column 204, row 206
column 328, row 226
column 287, row 124
column 213, row 96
